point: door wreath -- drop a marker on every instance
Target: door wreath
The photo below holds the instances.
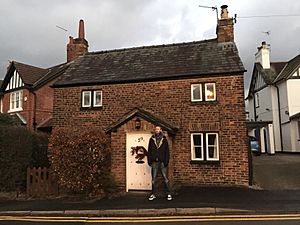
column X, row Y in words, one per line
column 140, row 152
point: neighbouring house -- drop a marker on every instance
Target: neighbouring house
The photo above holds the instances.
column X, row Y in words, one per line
column 193, row 90
column 26, row 93
column 274, row 103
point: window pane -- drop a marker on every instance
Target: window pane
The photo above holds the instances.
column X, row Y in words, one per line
column 210, row 91
column 196, row 92
column 212, row 152
column 86, row 98
column 17, row 100
column 212, row 139
column 198, row 152
column 197, row 139
column 21, row 99
column 12, row 100
column 97, row 98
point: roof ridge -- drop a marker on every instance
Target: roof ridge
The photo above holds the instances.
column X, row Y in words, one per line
column 29, row 65
column 149, row 46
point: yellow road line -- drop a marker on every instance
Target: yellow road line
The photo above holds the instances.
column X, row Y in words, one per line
column 279, row 217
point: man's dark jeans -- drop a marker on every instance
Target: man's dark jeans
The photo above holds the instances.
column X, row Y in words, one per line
column 155, row 167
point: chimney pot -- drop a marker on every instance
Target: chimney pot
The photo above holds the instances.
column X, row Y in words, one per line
column 71, row 40
column 81, row 29
column 224, row 12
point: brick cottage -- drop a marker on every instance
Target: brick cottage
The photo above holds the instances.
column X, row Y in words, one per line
column 194, row 91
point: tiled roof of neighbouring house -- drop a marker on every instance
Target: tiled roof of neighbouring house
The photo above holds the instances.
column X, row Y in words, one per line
column 153, row 63
column 270, row 75
column 29, row 74
column 289, row 68
column 32, row 76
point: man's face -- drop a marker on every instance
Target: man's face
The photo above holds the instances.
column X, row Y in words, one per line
column 157, row 130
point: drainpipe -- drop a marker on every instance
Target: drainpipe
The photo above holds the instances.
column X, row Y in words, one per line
column 279, row 114
column 254, row 107
column 34, row 111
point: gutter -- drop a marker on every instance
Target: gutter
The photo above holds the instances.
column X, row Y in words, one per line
column 139, row 80
column 279, row 114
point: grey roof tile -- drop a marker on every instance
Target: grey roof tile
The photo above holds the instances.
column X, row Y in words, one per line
column 153, row 62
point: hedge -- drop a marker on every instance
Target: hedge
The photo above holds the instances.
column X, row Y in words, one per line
column 81, row 160
column 19, row 148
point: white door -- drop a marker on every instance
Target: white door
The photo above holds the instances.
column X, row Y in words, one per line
column 138, row 174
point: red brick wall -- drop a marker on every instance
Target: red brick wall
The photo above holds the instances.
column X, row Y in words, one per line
column 44, row 105
column 171, row 100
column 44, row 102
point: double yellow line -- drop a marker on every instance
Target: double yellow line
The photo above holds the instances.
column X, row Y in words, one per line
column 274, row 217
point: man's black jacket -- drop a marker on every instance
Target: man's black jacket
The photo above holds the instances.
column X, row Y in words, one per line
column 158, row 153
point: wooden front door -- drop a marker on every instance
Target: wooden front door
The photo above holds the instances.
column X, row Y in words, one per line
column 138, row 174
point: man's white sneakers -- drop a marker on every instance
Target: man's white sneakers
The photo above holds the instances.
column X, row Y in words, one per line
column 152, row 197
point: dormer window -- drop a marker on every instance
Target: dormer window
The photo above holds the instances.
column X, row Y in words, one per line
column 16, row 101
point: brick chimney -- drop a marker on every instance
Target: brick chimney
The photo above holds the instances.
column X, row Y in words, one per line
column 225, row 31
column 79, row 46
column 263, row 55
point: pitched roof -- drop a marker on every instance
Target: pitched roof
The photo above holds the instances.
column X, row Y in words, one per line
column 153, row 62
column 289, row 68
column 52, row 73
column 32, row 76
column 46, row 123
column 149, row 116
column 29, row 74
column 269, row 75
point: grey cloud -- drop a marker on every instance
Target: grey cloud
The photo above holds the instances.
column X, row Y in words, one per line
column 29, row 33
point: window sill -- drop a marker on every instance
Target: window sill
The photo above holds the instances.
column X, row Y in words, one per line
column 205, row 103
column 15, row 110
column 205, row 162
column 91, row 108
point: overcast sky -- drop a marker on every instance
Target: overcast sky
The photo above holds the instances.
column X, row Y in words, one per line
column 28, row 31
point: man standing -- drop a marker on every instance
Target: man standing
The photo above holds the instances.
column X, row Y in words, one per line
column 158, row 159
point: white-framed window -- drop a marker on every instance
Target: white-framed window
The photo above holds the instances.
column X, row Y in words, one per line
column 196, row 92
column 86, row 99
column 212, row 147
column 197, row 146
column 16, row 101
column 205, row 147
column 256, row 100
column 97, row 101
column 210, row 92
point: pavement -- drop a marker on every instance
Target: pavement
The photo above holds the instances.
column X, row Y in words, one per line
column 276, row 191
column 188, row 201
